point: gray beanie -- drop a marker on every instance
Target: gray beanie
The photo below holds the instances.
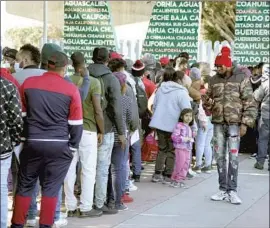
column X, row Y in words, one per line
column 195, row 74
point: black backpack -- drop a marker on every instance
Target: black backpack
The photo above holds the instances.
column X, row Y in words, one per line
column 142, row 99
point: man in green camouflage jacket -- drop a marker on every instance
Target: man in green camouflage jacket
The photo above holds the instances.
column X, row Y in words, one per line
column 229, row 99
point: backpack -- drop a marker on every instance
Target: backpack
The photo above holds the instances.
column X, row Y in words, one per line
column 142, row 99
column 103, row 100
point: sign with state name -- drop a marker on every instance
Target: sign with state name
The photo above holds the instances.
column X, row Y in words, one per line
column 174, row 28
column 252, row 32
column 87, row 24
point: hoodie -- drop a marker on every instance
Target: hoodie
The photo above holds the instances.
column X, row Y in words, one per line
column 170, row 99
column 113, row 112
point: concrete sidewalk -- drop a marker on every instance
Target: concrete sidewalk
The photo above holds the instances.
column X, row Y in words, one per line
column 161, row 206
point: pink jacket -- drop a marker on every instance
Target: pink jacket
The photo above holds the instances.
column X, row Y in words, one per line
column 179, row 137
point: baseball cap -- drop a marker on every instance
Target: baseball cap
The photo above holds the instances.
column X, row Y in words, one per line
column 57, row 59
column 47, row 51
column 10, row 53
column 115, row 55
column 164, row 61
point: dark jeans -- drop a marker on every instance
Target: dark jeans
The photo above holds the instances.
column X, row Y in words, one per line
column 165, row 155
column 263, row 142
column 118, row 169
column 136, row 156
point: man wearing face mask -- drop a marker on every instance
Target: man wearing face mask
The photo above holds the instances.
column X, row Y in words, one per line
column 229, row 99
column 9, row 56
column 28, row 59
column 52, row 130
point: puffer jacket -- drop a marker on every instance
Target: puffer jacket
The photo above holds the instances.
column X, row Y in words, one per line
column 230, row 99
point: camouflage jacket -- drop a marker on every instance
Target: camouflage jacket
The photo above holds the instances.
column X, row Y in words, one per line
column 230, row 99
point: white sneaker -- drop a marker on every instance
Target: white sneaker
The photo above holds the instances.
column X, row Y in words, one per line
column 234, row 198
column 61, row 222
column 132, row 187
column 31, row 223
column 191, row 172
column 221, row 195
column 63, row 215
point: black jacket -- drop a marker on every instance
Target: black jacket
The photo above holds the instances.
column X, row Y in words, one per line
column 113, row 113
column 11, row 123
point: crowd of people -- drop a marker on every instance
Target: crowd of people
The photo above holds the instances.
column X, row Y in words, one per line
column 82, row 134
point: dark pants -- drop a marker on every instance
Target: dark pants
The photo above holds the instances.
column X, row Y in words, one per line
column 263, row 142
column 48, row 161
column 165, row 155
column 118, row 169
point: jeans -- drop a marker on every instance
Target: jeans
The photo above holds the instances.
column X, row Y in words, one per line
column 181, row 166
column 87, row 154
column 33, row 210
column 127, row 183
column 263, row 142
column 135, row 150
column 227, row 138
column 5, row 166
column 165, row 154
column 119, row 173
column 203, row 145
column 102, row 171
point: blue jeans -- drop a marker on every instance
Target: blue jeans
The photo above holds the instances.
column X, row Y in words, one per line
column 32, row 212
column 203, row 145
column 119, row 171
column 5, row 166
column 103, row 163
column 263, row 142
column 227, row 138
column 135, row 150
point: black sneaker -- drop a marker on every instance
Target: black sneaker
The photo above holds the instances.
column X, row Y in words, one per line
column 92, row 213
column 107, row 210
column 253, row 155
column 71, row 214
column 136, row 178
column 258, row 166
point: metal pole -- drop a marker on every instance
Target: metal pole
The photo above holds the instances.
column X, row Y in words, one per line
column 45, row 21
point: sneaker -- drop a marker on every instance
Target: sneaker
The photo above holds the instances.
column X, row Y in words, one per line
column 156, row 178
column 31, row 223
column 197, row 169
column 63, row 215
column 71, row 214
column 127, row 199
column 191, row 172
column 107, row 210
column 214, row 162
column 253, row 156
column 189, row 176
column 121, row 207
column 132, row 187
column 207, row 169
column 166, row 180
column 234, row 198
column 136, row 178
column 221, row 195
column 90, row 214
column 258, row 166
column 60, row 223
column 179, row 185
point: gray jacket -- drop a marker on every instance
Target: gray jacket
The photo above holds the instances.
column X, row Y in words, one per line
column 134, row 109
column 113, row 113
column 261, row 95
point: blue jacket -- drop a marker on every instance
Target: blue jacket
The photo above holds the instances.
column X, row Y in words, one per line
column 171, row 98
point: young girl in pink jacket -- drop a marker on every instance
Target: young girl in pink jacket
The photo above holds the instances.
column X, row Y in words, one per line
column 182, row 138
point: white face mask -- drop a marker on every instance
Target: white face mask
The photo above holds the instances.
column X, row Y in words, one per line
column 17, row 67
column 5, row 65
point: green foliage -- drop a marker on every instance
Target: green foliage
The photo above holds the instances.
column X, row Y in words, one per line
column 218, row 20
column 32, row 35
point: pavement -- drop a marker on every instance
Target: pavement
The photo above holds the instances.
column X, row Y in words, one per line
column 160, row 206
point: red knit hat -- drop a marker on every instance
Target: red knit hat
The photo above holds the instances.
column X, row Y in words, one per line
column 138, row 69
column 164, row 61
column 224, row 58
